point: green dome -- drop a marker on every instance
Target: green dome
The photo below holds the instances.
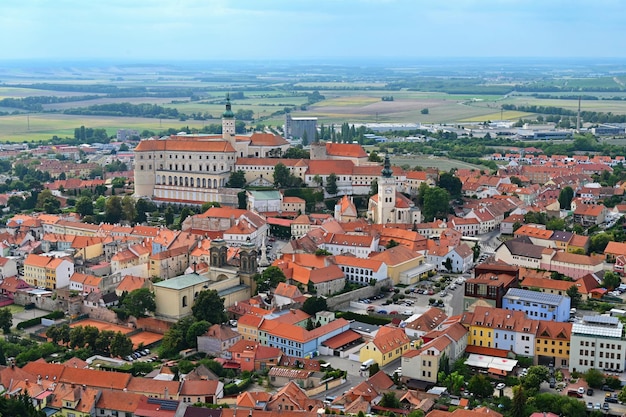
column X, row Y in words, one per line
column 228, row 113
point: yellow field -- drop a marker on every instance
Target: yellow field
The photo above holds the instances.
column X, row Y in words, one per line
column 506, row 115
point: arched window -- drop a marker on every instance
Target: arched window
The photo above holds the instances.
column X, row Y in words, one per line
column 184, row 301
column 169, row 180
column 203, row 182
column 214, row 183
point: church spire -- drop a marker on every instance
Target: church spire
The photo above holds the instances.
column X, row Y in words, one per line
column 387, row 172
column 228, row 113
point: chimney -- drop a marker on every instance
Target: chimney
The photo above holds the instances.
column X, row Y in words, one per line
column 167, row 393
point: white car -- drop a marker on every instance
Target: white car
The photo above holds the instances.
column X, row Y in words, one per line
column 501, row 385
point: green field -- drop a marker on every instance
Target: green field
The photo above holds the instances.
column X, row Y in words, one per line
column 442, row 164
column 352, row 98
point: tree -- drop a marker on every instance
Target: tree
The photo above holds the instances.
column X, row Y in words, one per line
column 611, row 280
column 237, row 179
column 84, row 206
column 270, row 278
column 373, row 187
column 389, row 400
column 555, row 224
column 113, row 209
column 331, row 184
column 197, row 329
column 535, row 376
column 453, row 382
column 6, row 320
column 143, row 206
column 374, row 157
column 184, row 213
column 594, row 378
column 169, row 216
column 450, row 183
column 476, row 251
column 121, row 345
column 435, row 202
column 480, row 386
column 448, row 264
column 622, row 395
column 139, row 302
column 565, row 198
column 516, row 180
column 314, row 305
column 281, row 175
column 392, row 244
column 574, row 295
column 129, row 210
column 424, row 111
column 598, row 242
column 209, row 306
column 518, row 408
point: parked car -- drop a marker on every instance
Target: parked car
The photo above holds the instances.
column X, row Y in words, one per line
column 382, row 311
column 605, row 406
column 552, row 383
column 597, row 406
column 590, row 391
column 590, row 406
column 574, row 393
column 611, row 399
column 607, row 388
column 501, row 385
column 581, row 390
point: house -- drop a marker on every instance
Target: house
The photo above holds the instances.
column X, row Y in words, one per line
column 404, row 266
column 521, row 252
column 538, row 305
column 388, row 345
column 585, row 285
column 571, row 264
column 553, row 343
column 345, row 210
column 11, row 285
column 8, row 268
column 201, row 391
column 47, row 272
column 597, row 342
column 293, row 398
column 115, row 403
column 286, row 294
column 430, row 320
column 217, row 340
column 461, row 412
column 590, row 214
column 250, row 355
column 489, row 287
column 131, row 283
column 280, row 376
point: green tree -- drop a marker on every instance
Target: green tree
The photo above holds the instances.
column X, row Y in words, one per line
column 270, row 278
column 281, row 176
column 436, row 202
column 424, row 111
column 565, row 198
column 598, row 242
column 331, row 184
column 121, row 345
column 373, row 188
column 374, row 157
column 389, row 400
column 6, row 320
column 139, row 302
column 594, row 378
column 143, row 207
column 515, row 180
column 113, row 210
column 392, row 244
column 556, row 224
column 374, row 369
column 453, row 382
column 84, row 206
column 140, row 368
column 611, row 280
column 237, row 179
column 480, row 386
column 129, row 211
column 314, row 305
column 100, row 203
column 518, row 405
column 209, row 306
column 184, row 213
column 574, row 295
column 197, row 329
column 476, row 252
column 622, row 395
column 169, row 216
column 535, row 376
column 450, row 183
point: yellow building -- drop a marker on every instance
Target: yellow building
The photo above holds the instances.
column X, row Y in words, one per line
column 403, row 265
column 552, row 343
column 47, row 272
column 248, row 326
column 175, row 297
column 388, row 345
column 35, row 270
column 169, row 263
column 88, row 247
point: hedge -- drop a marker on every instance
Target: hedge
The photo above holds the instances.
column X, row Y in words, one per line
column 37, row 320
column 348, row 315
column 230, row 389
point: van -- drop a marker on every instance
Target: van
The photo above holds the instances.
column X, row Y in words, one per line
column 366, row 365
column 574, row 393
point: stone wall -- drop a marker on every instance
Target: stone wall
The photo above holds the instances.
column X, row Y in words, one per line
column 338, row 302
column 101, row 314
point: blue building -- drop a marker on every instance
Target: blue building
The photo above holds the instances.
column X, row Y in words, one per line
column 538, row 305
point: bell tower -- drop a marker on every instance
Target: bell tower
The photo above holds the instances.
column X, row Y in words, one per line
column 386, row 195
column 248, row 265
column 228, row 122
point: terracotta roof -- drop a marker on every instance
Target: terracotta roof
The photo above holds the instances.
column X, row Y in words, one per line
column 554, row 330
column 342, row 339
column 396, row 255
column 389, row 338
column 185, row 144
column 37, row 260
column 200, row 387
column 125, row 402
column 428, row 321
column 461, row 412
column 327, row 167
column 266, row 139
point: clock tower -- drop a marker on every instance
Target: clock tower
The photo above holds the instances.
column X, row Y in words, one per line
column 385, row 209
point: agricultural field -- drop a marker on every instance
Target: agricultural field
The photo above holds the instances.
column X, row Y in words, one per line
column 441, row 163
column 505, row 115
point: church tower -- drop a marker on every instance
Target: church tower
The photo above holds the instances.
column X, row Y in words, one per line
column 386, row 195
column 228, row 123
column 248, row 265
column 218, row 252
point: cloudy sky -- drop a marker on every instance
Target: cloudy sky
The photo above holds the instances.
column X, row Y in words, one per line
column 310, row 29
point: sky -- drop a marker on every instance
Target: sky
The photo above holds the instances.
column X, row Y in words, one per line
column 258, row 30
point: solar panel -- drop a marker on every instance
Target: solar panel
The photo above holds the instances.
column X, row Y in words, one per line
column 166, row 405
